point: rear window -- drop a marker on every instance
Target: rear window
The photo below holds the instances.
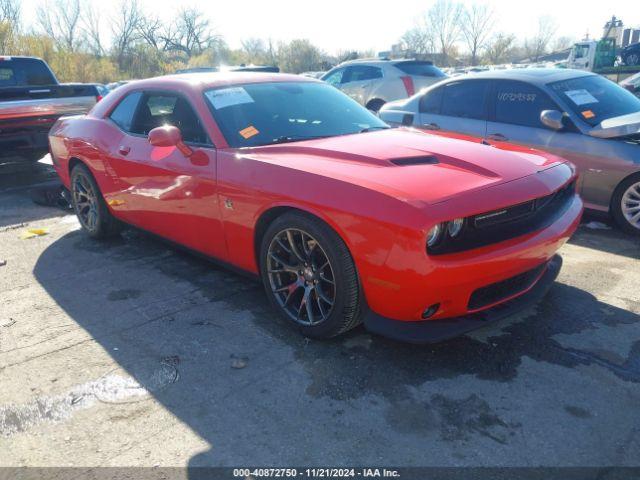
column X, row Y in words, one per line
column 17, row 72
column 420, row 69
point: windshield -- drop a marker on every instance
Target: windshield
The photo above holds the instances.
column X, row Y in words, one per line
column 278, row 112
column 594, row 98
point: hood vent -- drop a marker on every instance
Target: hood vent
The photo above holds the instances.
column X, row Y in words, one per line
column 408, row 161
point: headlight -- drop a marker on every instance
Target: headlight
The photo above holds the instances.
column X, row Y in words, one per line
column 454, row 227
column 434, row 235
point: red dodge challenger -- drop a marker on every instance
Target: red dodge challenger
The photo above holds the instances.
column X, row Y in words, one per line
column 420, row 236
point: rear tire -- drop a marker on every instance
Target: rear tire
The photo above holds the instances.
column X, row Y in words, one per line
column 90, row 207
column 309, row 276
column 625, row 205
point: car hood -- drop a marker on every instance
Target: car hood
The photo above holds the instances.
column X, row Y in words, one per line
column 408, row 163
column 617, row 127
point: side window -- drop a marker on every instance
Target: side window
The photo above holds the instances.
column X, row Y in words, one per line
column 519, row 103
column 123, row 114
column 335, row 78
column 465, row 99
column 431, row 101
column 364, row 72
column 166, row 109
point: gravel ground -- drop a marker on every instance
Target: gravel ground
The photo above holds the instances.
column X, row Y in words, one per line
column 131, row 353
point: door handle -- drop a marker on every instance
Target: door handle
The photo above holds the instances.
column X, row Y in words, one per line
column 124, row 150
column 498, row 137
column 432, row 126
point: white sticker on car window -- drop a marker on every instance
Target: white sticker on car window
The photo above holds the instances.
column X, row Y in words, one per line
column 581, row 97
column 227, row 97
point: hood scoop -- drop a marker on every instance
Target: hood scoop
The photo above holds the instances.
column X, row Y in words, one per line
column 409, row 161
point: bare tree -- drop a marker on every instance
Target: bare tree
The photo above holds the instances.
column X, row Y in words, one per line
column 255, row 49
column 150, row 30
column 60, row 20
column 299, row 56
column 477, row 26
column 443, row 18
column 191, row 35
column 537, row 46
column 10, row 12
column 499, row 48
column 418, row 40
column 562, row 43
column 125, row 30
column 90, row 20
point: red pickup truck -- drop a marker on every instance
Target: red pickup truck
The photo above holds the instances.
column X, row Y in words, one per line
column 31, row 100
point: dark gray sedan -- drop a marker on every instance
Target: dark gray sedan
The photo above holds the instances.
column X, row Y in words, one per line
column 577, row 115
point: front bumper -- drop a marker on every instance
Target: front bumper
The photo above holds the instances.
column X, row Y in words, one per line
column 431, row 331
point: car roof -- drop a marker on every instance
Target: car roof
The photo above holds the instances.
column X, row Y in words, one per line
column 206, row 80
column 535, row 76
column 382, row 61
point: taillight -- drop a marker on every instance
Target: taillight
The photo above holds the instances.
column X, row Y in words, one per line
column 98, row 98
column 408, row 85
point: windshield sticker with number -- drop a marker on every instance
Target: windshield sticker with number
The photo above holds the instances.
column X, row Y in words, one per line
column 516, row 97
column 227, row 97
column 580, row 97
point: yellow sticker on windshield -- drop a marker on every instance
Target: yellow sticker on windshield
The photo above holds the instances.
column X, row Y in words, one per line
column 249, row 132
column 588, row 114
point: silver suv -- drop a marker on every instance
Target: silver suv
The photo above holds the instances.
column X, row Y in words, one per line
column 373, row 83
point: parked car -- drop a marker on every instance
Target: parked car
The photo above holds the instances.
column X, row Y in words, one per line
column 99, row 90
column 344, row 219
column 632, row 84
column 579, row 115
column 630, row 54
column 373, row 83
column 31, row 100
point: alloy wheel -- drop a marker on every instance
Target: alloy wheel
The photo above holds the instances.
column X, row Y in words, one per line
column 301, row 277
column 631, row 205
column 86, row 202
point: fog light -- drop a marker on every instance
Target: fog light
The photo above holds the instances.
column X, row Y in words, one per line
column 430, row 311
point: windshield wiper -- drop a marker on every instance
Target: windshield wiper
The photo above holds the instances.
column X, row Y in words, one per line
column 371, row 129
column 296, row 138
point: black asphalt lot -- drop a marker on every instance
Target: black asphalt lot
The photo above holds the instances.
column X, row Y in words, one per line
column 133, row 353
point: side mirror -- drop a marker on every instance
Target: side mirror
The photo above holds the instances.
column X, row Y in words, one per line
column 552, row 119
column 169, row 136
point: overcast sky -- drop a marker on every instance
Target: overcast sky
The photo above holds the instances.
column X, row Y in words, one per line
column 372, row 24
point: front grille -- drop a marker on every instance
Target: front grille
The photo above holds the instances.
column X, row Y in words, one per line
column 496, row 292
column 509, row 222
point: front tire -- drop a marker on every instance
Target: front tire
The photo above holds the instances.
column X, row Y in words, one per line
column 625, row 205
column 309, row 276
column 90, row 207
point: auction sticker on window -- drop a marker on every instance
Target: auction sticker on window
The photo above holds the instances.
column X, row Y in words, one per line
column 581, row 97
column 227, row 97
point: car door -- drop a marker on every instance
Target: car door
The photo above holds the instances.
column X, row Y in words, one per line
column 162, row 190
column 358, row 81
column 514, row 117
column 459, row 106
